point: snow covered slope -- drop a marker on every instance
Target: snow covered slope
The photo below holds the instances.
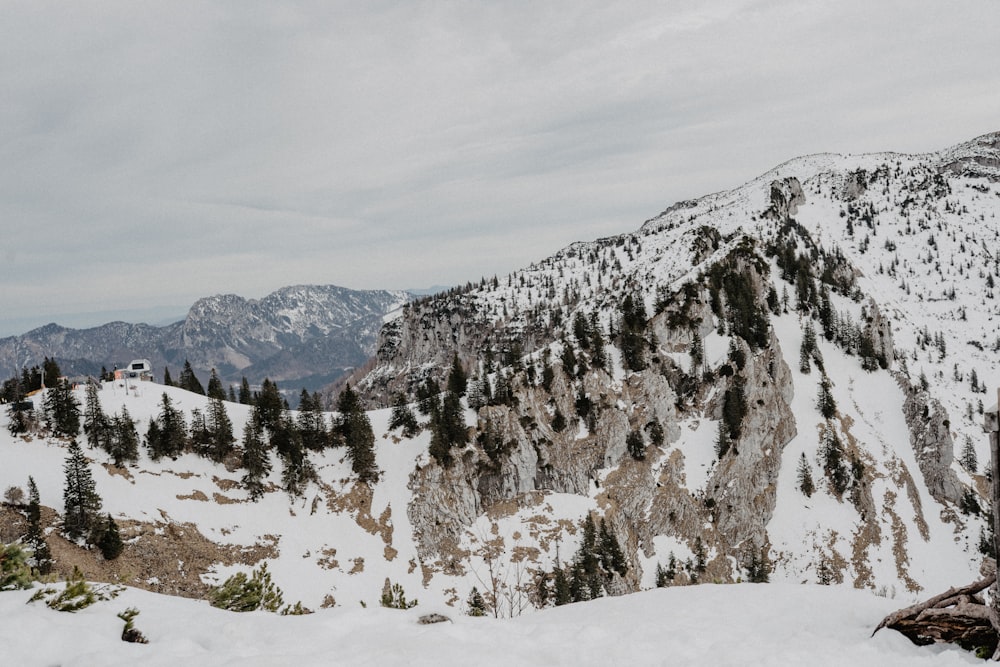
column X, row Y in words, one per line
column 702, row 315
column 888, row 257
column 704, row 625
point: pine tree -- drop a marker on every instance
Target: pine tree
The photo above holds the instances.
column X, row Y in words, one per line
column 355, row 429
column 110, row 542
column 219, row 430
column 543, row 594
column 700, row 556
column 631, row 336
column 475, row 603
column 561, row 587
column 474, row 394
column 124, row 446
column 805, row 480
column 95, row 422
column 245, row 395
column 671, row 571
column 167, row 380
column 20, row 419
column 215, row 388
column 297, row 470
column 635, row 445
column 51, row 373
column 79, row 495
column 255, row 457
column 734, row 407
column 697, row 353
column 598, row 355
column 311, row 423
column 269, row 404
column 968, row 457
column 611, row 556
column 448, row 428
column 722, row 442
column 558, row 421
column 805, row 357
column 62, row 412
column 661, row 576
column 759, row 568
column 655, row 431
column 41, row 556
column 167, row 434
column 15, row 572
column 824, row 400
column 832, row 455
column 403, row 417
column 457, row 379
column 189, row 381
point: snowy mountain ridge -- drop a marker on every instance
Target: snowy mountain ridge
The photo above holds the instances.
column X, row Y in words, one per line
column 835, row 315
column 303, row 335
column 899, row 242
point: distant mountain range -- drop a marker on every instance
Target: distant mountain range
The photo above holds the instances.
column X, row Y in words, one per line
column 301, row 336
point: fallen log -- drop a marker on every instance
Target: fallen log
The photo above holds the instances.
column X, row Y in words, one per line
column 957, row 616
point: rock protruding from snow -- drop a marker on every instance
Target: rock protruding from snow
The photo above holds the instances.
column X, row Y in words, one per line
column 785, row 198
column 930, row 437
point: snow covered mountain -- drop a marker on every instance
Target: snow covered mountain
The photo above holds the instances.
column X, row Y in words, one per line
column 305, row 335
column 832, row 320
column 879, row 269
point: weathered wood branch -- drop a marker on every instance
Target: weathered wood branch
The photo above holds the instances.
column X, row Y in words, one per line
column 946, row 599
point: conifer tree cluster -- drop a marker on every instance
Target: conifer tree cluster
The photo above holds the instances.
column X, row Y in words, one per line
column 632, row 333
column 20, row 418
column 189, row 381
column 355, row 432
column 832, row 457
column 255, row 460
column 595, row 564
column 116, row 435
column 212, row 432
column 62, row 411
column 402, row 417
column 665, row 576
column 167, row 433
column 29, row 380
column 257, row 592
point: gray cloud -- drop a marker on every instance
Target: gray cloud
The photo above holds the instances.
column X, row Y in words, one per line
column 153, row 153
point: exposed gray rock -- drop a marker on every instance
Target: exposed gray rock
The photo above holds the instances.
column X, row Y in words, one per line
column 785, row 198
column 930, row 438
column 879, row 329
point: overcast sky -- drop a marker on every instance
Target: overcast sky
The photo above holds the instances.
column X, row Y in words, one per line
column 152, row 153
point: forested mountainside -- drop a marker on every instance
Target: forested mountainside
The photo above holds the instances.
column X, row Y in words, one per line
column 792, row 371
column 303, row 336
column 784, row 382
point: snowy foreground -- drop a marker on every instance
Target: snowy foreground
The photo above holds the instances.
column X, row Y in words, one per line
column 773, row 624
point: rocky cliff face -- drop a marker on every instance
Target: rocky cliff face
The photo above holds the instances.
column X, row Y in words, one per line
column 769, row 320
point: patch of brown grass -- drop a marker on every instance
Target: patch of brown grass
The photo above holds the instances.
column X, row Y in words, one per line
column 161, row 556
column 328, row 561
column 357, row 502
column 225, row 484
column 225, row 500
